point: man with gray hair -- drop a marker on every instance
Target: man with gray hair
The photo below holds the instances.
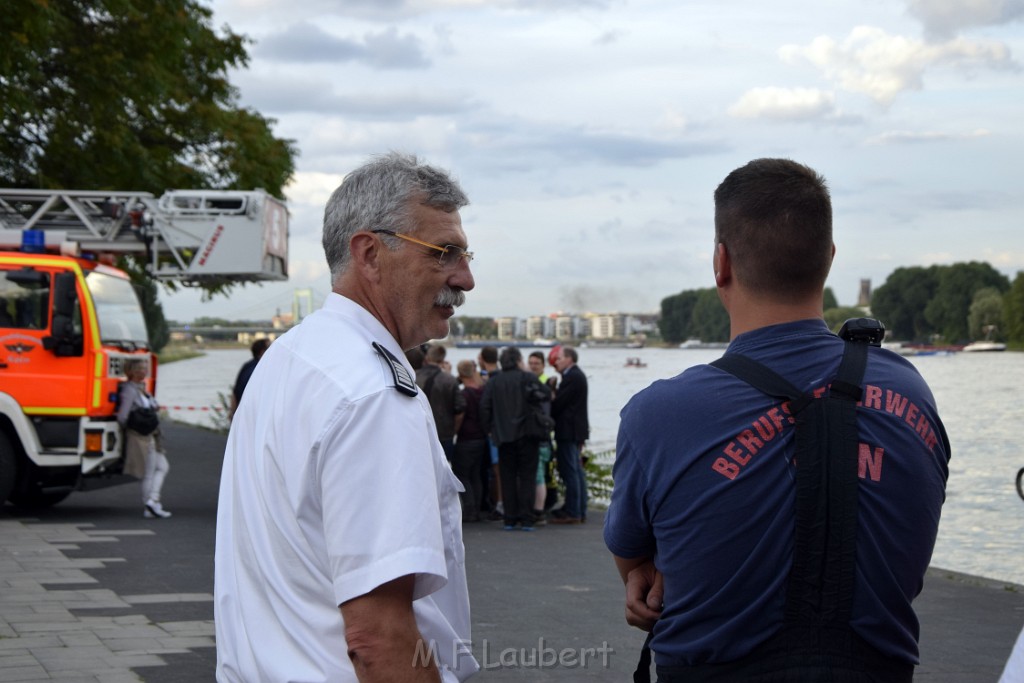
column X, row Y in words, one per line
column 339, row 544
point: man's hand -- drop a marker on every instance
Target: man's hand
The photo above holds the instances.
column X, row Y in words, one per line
column 644, row 594
column 644, row 591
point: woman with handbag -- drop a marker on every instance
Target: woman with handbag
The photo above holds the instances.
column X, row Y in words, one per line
column 144, row 456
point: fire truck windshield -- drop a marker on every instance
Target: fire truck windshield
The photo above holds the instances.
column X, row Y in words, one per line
column 117, row 310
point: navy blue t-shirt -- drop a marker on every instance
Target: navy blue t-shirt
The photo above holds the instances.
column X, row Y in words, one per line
column 704, row 484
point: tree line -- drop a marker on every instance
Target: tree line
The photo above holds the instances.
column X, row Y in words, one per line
column 949, row 304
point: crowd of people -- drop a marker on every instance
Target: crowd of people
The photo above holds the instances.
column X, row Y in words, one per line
column 510, row 432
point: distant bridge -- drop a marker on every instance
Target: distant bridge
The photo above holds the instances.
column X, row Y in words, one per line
column 227, row 331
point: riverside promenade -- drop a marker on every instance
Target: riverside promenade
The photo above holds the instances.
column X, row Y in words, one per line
column 92, row 592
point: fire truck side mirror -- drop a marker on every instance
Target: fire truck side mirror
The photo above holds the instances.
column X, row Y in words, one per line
column 64, row 341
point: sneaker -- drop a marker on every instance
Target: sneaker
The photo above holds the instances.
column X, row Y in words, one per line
column 539, row 518
column 509, row 527
column 155, row 509
column 527, row 528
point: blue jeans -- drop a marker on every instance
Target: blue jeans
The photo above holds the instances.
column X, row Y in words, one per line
column 571, row 472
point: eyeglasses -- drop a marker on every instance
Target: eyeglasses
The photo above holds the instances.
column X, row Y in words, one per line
column 450, row 257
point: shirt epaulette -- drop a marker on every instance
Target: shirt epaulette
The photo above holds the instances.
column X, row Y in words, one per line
column 403, row 380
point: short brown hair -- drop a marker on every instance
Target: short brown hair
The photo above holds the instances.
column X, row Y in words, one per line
column 774, row 217
column 436, row 353
column 466, row 368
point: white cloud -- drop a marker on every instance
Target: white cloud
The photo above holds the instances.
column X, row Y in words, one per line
column 304, row 42
column 946, row 18
column 784, row 104
column 902, row 137
column 309, row 94
column 312, row 188
column 882, row 66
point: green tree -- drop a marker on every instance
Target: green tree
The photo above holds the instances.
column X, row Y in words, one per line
column 835, row 317
column 985, row 316
column 710, row 319
column 1013, row 311
column 676, row 322
column 900, row 302
column 128, row 95
column 948, row 309
column 829, row 300
column 474, row 328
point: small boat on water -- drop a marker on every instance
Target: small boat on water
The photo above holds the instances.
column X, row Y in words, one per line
column 634, row 362
column 985, row 344
column 975, row 347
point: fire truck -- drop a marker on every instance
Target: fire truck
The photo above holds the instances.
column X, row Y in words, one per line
column 69, row 319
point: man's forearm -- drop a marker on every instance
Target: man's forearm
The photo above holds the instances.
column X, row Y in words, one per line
column 383, row 639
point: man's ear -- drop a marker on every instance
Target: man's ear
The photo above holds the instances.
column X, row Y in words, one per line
column 723, row 265
column 365, row 251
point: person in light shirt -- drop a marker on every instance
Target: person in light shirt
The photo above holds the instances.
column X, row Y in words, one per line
column 339, row 550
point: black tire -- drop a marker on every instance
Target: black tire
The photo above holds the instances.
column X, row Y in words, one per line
column 34, row 498
column 1020, row 483
column 8, row 467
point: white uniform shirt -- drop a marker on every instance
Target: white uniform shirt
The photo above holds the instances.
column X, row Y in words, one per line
column 334, row 483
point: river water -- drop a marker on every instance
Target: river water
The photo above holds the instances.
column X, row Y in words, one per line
column 978, row 395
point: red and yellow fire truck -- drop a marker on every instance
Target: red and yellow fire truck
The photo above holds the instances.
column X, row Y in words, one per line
column 69, row 319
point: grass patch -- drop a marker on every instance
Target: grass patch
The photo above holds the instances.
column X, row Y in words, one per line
column 172, row 353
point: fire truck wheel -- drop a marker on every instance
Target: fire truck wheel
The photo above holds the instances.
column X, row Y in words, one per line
column 8, row 467
column 33, row 498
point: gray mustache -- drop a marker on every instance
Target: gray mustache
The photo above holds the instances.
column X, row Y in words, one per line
column 450, row 297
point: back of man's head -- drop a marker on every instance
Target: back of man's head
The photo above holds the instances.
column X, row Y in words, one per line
column 259, row 347
column 774, row 217
column 570, row 353
column 510, row 357
column 435, row 354
column 415, row 357
column 466, row 368
column 379, row 196
column 489, row 355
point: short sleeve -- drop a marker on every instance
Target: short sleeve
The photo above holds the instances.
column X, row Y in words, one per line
column 379, row 490
column 627, row 527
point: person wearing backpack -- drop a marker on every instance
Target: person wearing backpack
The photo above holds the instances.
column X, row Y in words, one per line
column 144, row 453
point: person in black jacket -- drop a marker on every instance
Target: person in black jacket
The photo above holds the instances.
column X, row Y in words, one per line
column 504, row 411
column 258, row 348
column 572, row 429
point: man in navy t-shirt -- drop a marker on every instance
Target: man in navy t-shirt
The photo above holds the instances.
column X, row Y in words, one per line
column 701, row 521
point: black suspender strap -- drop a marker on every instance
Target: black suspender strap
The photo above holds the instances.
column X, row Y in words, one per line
column 643, row 667
column 820, row 590
column 761, row 378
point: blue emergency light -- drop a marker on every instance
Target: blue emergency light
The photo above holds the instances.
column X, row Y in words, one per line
column 33, row 241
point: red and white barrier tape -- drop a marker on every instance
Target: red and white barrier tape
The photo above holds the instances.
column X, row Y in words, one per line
column 191, row 408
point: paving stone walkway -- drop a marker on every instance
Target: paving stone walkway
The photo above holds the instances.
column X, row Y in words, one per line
column 46, row 630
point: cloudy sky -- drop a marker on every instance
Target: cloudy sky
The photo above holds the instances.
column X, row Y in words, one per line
column 590, row 134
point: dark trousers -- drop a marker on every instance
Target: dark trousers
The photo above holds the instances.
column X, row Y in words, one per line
column 517, row 462
column 448, row 446
column 797, row 654
column 469, row 455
